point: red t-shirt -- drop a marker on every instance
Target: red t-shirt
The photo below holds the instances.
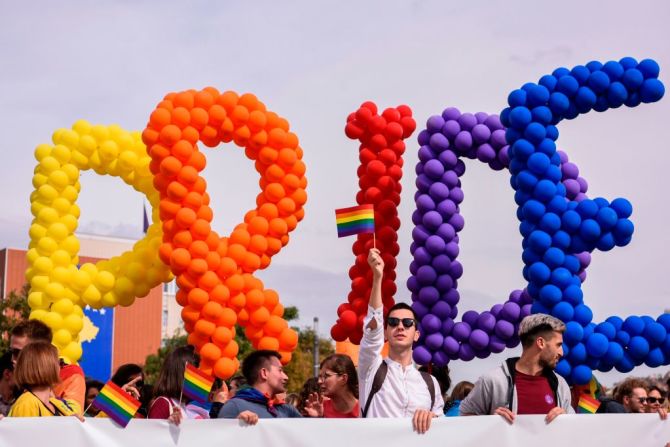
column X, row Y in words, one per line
column 330, row 412
column 534, row 394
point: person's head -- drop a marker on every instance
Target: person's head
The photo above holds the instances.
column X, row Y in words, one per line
column 171, row 376
column 655, row 398
column 311, row 386
column 461, row 390
column 128, row 372
column 37, row 366
column 27, row 332
column 263, row 370
column 93, row 388
column 293, row 399
column 400, row 327
column 338, row 376
column 632, row 394
column 235, row 384
column 541, row 336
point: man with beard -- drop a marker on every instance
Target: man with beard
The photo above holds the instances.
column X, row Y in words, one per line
column 393, row 388
column 266, row 378
column 526, row 384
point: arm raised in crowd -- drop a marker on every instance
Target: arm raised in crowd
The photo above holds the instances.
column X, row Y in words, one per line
column 373, row 335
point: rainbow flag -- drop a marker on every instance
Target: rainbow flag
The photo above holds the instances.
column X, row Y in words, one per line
column 355, row 220
column 587, row 404
column 116, row 403
column 197, row 384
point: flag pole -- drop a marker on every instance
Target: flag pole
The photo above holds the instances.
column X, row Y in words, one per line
column 181, row 392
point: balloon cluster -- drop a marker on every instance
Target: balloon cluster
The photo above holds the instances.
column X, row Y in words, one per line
column 558, row 230
column 379, row 175
column 59, row 289
column 435, row 269
column 217, row 288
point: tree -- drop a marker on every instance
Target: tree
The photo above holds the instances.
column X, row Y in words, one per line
column 13, row 310
column 301, row 366
column 154, row 362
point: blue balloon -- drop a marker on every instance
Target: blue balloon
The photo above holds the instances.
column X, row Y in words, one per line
column 542, row 114
column 573, row 294
column 633, row 325
column 560, row 277
column 563, row 311
column 651, row 91
column 549, row 82
column 583, row 314
column 622, row 337
column 553, row 257
column 596, row 345
column 615, row 321
column 561, row 239
column 522, row 148
column 571, row 220
column 585, row 99
column 520, row 117
column 628, row 62
column 539, row 241
column 535, row 133
column 589, row 230
column 594, row 66
column 567, row 85
column 622, row 207
column 573, row 333
column 577, row 354
column 616, row 94
column 607, row 329
column 638, row 347
column 598, row 81
column 655, row 358
column 571, row 263
column 655, row 333
column 550, row 295
column 538, row 163
column 649, row 68
column 614, row 353
column 632, row 78
column 545, row 190
column 607, row 218
column 581, row 375
column 539, row 272
column 563, row 368
column 665, row 321
column 517, row 98
column 526, row 181
column 613, row 69
column 533, row 210
column 559, row 103
column 580, row 73
column 625, row 364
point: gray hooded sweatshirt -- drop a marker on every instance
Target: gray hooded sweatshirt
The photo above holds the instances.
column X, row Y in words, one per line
column 496, row 389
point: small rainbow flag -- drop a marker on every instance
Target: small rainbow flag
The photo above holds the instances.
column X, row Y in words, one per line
column 116, row 403
column 197, row 384
column 355, row 220
column 587, row 404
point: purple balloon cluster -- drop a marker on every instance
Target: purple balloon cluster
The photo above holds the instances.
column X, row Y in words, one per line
column 435, row 269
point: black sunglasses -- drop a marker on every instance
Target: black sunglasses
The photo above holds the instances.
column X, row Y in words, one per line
column 653, row 400
column 406, row 322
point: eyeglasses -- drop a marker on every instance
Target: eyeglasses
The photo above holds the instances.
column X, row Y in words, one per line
column 642, row 400
column 653, row 400
column 406, row 322
column 324, row 376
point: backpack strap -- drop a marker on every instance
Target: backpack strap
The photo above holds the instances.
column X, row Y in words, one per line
column 511, row 368
column 431, row 387
column 377, row 382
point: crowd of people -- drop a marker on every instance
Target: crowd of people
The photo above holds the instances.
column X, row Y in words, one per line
column 34, row 382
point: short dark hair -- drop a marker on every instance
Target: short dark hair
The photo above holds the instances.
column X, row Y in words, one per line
column 399, row 306
column 35, row 330
column 96, row 384
column 257, row 360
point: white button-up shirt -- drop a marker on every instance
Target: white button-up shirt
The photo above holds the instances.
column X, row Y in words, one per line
column 404, row 391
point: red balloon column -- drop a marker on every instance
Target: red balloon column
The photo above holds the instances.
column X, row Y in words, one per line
column 382, row 146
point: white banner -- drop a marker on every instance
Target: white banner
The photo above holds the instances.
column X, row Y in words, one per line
column 644, row 430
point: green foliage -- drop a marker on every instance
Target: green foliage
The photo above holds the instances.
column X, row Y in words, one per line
column 153, row 362
column 13, row 309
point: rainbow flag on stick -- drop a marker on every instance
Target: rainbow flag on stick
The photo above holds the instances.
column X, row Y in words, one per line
column 197, row 385
column 116, row 403
column 587, row 404
column 355, row 220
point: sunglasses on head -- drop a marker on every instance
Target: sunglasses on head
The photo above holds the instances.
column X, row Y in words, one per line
column 653, row 400
column 406, row 322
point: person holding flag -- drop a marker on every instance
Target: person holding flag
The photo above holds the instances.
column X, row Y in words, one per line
column 171, row 401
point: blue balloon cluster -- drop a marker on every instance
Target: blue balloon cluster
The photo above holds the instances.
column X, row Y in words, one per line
column 558, row 233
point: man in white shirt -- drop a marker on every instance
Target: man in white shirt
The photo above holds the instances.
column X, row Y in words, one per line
column 404, row 391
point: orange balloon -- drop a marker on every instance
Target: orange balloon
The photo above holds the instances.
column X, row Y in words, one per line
column 220, row 294
column 204, row 328
column 209, row 352
column 222, row 336
column 225, row 368
column 269, row 343
column 212, row 310
column 197, row 298
column 255, row 299
column 228, row 318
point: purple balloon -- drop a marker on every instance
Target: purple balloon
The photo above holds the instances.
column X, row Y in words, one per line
column 444, row 283
column 441, row 264
column 432, row 220
column 450, row 178
column 496, row 345
column 451, row 113
column 420, row 309
column 466, row 353
column 423, row 137
column 456, row 269
column 421, row 256
column 461, row 331
column 446, row 209
column 452, row 250
column 429, row 295
column 434, row 341
column 426, row 274
column 441, row 310
column 498, row 139
column 423, row 183
column 463, row 141
column 438, row 191
column 510, row 311
column 450, row 345
column 467, row 121
column 583, row 185
column 440, row 359
column 447, row 326
column 481, row 134
column 435, row 123
column 420, row 234
column 431, row 323
column 486, row 153
column 481, row 117
column 571, row 187
column 451, row 128
column 448, row 159
column 569, row 170
column 479, row 339
column 486, row 322
column 438, row 142
column 426, row 154
column 504, row 329
column 456, row 194
column 433, row 169
column 495, row 309
column 471, row 317
column 425, row 203
column 446, row 232
column 457, row 222
column 421, row 355
column 435, row 245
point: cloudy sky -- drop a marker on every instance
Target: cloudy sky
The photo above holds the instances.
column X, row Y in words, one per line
column 314, row 63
